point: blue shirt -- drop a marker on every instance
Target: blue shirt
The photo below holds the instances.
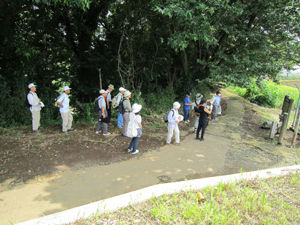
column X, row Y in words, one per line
column 217, row 100
column 186, row 100
column 64, row 100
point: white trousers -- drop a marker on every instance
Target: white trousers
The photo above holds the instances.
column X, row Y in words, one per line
column 196, row 121
column 170, row 134
column 67, row 119
column 36, row 115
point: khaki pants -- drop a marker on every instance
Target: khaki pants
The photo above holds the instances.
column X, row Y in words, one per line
column 36, row 115
column 67, row 119
column 170, row 134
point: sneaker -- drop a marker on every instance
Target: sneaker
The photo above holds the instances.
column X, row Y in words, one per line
column 202, row 139
column 40, row 127
column 38, row 130
column 197, row 138
column 107, row 133
column 188, row 121
column 169, row 143
column 97, row 132
column 66, row 132
column 136, row 151
column 178, row 143
column 71, row 129
column 130, row 150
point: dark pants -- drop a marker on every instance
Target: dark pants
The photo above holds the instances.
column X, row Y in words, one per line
column 109, row 112
column 201, row 127
column 133, row 144
column 186, row 114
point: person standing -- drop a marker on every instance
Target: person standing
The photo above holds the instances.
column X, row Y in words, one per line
column 127, row 110
column 137, row 121
column 186, row 107
column 109, row 100
column 216, row 103
column 119, row 99
column 203, row 110
column 196, row 104
column 35, row 107
column 102, row 113
column 173, row 121
column 65, row 112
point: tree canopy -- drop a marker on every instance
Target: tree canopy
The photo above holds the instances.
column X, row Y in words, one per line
column 146, row 46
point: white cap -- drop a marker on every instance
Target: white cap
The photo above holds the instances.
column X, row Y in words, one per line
column 67, row 88
column 136, row 108
column 31, row 85
column 102, row 91
column 127, row 93
column 176, row 105
column 122, row 89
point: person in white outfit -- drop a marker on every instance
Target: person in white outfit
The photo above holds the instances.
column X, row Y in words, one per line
column 35, row 107
column 65, row 112
column 173, row 120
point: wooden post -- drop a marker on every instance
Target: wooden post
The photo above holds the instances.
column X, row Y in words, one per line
column 296, row 129
column 285, row 107
column 284, row 125
column 273, row 129
column 100, row 79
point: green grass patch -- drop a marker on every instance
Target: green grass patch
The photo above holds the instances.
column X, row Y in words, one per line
column 257, row 201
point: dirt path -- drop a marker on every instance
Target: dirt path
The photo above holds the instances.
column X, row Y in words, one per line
column 228, row 146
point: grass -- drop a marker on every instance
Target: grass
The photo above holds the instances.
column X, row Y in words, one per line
column 257, row 201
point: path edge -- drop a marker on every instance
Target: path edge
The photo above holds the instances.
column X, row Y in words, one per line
column 134, row 197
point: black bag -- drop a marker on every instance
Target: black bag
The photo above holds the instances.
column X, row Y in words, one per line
column 27, row 104
column 96, row 107
column 104, row 120
column 167, row 115
column 121, row 106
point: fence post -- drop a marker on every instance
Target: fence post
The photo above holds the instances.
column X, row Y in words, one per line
column 273, row 129
column 296, row 129
column 284, row 125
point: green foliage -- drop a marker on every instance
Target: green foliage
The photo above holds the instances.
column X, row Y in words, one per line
column 266, row 93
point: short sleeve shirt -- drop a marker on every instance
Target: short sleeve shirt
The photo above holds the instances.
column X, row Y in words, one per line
column 108, row 96
column 101, row 102
column 186, row 100
column 138, row 120
column 217, row 100
column 194, row 104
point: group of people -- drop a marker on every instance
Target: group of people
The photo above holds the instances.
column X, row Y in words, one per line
column 128, row 117
column 35, row 105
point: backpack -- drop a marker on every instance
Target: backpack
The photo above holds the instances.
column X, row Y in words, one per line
column 27, row 104
column 167, row 115
column 114, row 102
column 121, row 106
column 131, row 129
column 96, row 107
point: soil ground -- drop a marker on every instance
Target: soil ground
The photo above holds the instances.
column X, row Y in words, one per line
column 46, row 170
column 291, row 83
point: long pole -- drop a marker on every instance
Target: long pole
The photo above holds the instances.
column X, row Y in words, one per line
column 296, row 130
column 100, row 79
column 296, row 113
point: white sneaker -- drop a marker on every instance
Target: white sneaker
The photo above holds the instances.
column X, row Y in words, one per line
column 97, row 132
column 107, row 133
column 130, row 150
column 136, row 151
column 188, row 121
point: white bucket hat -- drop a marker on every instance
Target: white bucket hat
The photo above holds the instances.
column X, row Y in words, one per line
column 102, row 91
column 67, row 88
column 122, row 89
column 31, row 85
column 136, row 108
column 199, row 96
column 176, row 105
column 127, row 93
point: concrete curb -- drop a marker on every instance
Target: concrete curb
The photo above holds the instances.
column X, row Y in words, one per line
column 124, row 200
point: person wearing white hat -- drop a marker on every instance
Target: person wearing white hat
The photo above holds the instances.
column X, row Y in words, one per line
column 102, row 113
column 64, row 109
column 134, row 128
column 118, row 100
column 173, row 120
column 196, row 104
column 109, row 100
column 125, row 109
column 35, row 107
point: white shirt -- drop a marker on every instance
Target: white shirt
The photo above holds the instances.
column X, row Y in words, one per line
column 173, row 116
column 194, row 104
column 108, row 95
column 64, row 100
column 33, row 101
